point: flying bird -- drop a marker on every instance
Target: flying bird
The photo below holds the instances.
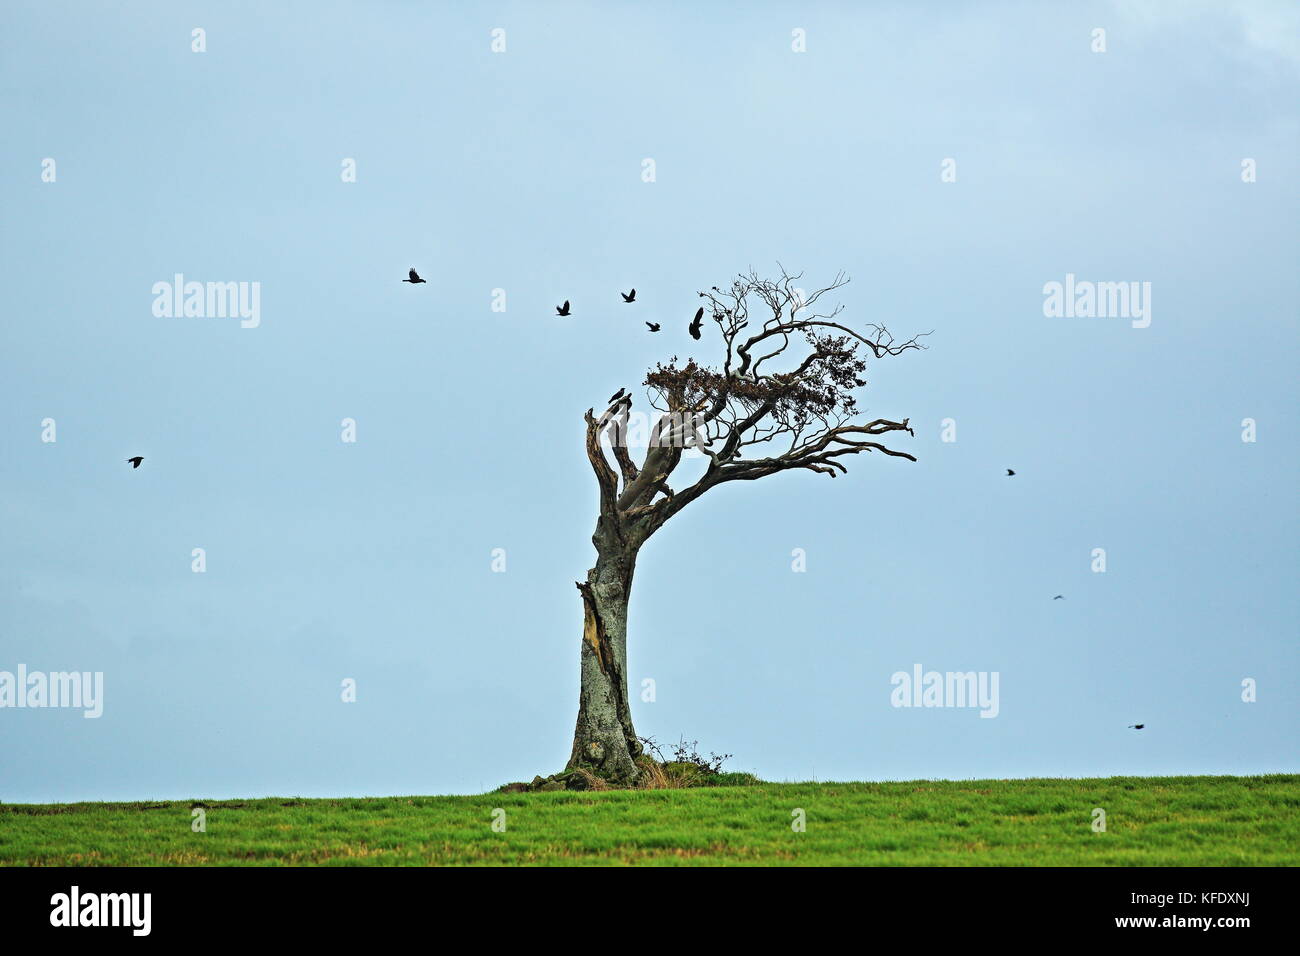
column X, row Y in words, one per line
column 653, row 326
column 629, row 296
column 1010, row 472
column 415, row 278
column 135, row 462
column 617, row 395
column 1136, row 726
column 1059, row 597
column 695, row 323
column 562, row 309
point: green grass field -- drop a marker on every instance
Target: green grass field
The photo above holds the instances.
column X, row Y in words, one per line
column 1151, row 821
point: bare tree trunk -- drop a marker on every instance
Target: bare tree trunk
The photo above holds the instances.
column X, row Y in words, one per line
column 604, row 740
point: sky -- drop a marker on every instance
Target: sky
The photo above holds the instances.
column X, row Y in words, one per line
column 952, row 159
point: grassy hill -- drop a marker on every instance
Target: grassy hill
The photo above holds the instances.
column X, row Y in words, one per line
column 1150, row 821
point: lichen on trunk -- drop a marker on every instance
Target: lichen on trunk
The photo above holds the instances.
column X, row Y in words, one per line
column 604, row 739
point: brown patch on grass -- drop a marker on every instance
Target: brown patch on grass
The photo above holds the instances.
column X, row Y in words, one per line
column 652, row 775
column 592, row 781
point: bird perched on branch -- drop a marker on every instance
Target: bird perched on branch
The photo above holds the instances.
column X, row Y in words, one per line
column 617, row 395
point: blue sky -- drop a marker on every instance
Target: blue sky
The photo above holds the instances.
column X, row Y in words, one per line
column 522, row 171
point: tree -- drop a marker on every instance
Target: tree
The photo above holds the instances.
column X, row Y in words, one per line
column 746, row 422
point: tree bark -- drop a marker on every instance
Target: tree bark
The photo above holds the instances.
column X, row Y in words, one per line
column 604, row 740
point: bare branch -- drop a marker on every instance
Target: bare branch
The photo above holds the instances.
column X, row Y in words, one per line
column 600, row 465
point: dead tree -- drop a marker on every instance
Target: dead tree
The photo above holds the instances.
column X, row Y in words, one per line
column 782, row 400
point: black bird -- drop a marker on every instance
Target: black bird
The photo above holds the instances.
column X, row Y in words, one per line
column 629, row 296
column 135, row 462
column 1136, row 726
column 1059, row 597
column 415, row 278
column 1010, row 472
column 653, row 326
column 617, row 395
column 695, row 323
column 562, row 309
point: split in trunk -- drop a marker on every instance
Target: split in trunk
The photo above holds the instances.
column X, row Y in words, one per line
column 604, row 740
